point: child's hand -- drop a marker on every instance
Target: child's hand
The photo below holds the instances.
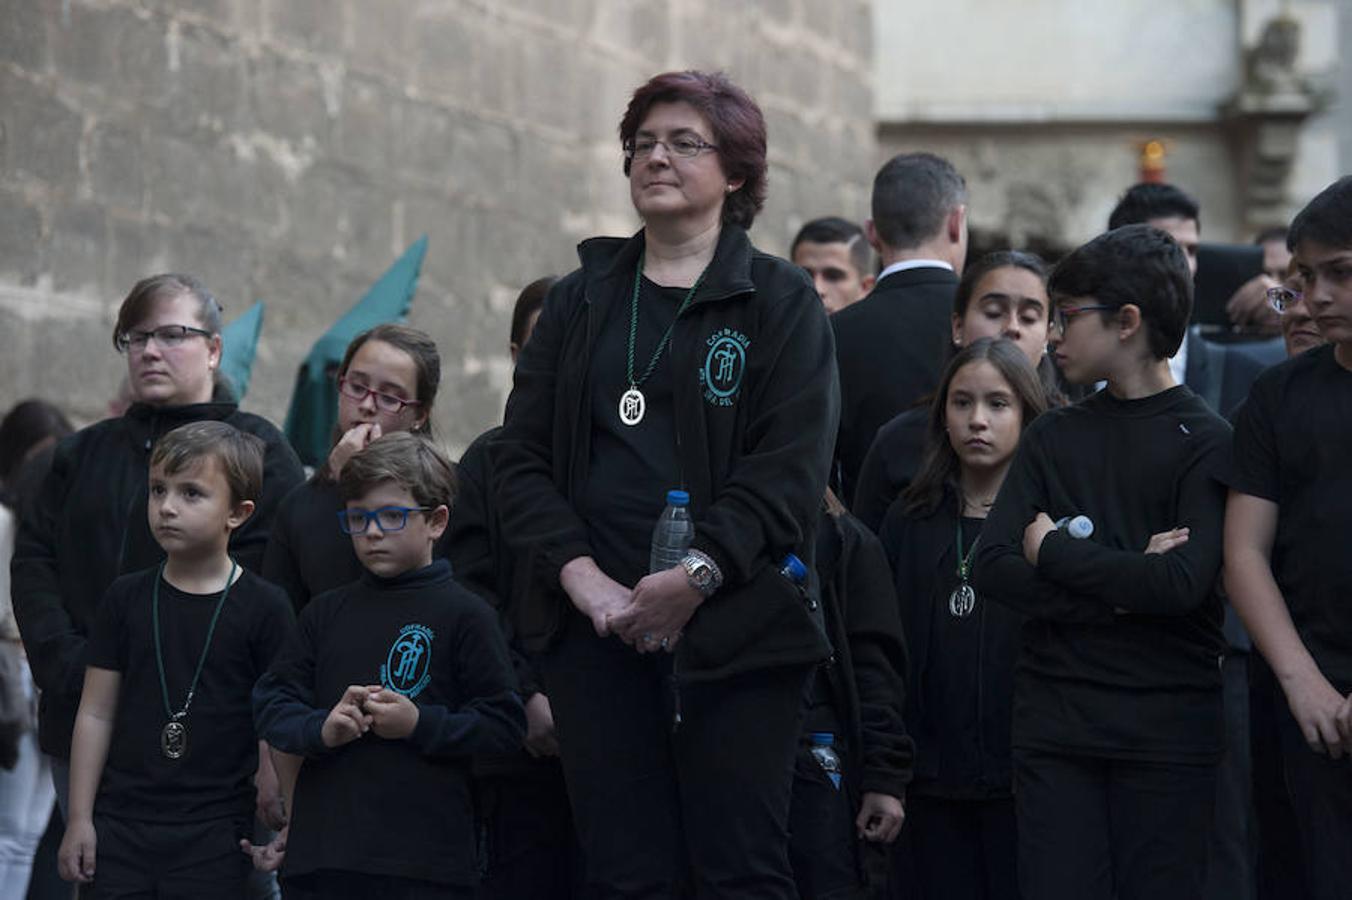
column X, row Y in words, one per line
column 540, row 737
column 1167, row 540
column 348, row 720
column 350, row 444
column 75, row 859
column 880, row 817
column 1035, row 534
column 392, row 714
column 268, row 857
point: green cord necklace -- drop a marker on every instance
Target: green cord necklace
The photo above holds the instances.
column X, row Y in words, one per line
column 963, row 599
column 632, row 402
column 174, row 737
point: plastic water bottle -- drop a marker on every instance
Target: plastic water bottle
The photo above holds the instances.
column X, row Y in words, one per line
column 673, row 534
column 823, row 746
column 1078, row 527
column 794, row 570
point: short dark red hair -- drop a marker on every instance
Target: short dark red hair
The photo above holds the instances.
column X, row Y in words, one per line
column 738, row 130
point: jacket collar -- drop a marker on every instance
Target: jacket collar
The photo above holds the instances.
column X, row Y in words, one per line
column 606, row 260
column 191, row 412
column 908, row 277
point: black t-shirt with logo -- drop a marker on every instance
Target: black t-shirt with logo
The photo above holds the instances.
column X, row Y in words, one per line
column 214, row 777
column 383, row 806
column 1293, row 446
column 632, row 466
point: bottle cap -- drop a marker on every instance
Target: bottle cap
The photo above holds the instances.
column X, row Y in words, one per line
column 678, row 498
column 794, row 568
column 822, row 738
column 1080, row 527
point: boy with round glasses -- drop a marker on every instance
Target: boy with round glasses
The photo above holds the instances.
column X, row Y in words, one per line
column 1118, row 722
column 386, row 690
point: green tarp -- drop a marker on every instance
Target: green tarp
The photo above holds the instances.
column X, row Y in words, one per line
column 239, row 344
column 314, row 403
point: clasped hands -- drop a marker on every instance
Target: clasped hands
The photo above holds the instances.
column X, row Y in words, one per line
column 650, row 617
column 369, row 708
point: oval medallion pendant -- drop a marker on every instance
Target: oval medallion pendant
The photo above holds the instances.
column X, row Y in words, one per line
column 962, row 601
column 174, row 740
column 632, row 406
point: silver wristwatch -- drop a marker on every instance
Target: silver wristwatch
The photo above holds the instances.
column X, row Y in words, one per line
column 702, row 573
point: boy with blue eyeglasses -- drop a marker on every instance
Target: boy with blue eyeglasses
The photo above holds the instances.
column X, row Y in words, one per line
column 387, row 689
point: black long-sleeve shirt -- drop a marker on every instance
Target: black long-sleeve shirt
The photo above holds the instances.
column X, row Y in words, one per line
column 1121, row 650
column 391, row 807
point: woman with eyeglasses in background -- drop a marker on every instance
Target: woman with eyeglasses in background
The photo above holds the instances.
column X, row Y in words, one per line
column 88, row 525
column 387, row 382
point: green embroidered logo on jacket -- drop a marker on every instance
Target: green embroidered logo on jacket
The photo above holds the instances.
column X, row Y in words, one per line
column 724, row 366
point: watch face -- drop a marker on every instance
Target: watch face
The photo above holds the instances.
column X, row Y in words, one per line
column 698, row 572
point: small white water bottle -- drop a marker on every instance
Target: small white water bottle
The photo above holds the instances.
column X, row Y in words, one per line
column 822, row 744
column 1078, row 527
column 673, row 534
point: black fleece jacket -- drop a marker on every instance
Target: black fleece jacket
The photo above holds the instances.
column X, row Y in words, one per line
column 88, row 525
column 866, row 675
column 754, row 447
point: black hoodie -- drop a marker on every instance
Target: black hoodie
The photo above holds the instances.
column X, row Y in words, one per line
column 754, row 450
column 88, row 525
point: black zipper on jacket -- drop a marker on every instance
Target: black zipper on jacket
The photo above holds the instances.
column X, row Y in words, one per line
column 676, row 716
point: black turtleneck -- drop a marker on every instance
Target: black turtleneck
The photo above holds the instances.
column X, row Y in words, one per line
column 1121, row 649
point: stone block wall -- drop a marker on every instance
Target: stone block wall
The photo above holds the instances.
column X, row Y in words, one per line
column 289, row 150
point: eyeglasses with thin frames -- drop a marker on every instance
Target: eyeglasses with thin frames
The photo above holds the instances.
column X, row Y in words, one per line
column 1283, row 298
column 387, row 518
column 166, row 336
column 1061, row 315
column 388, row 403
column 685, row 146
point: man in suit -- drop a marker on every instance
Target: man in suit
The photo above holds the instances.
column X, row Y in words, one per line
column 890, row 345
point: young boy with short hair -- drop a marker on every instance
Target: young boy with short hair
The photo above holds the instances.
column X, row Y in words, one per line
column 1287, row 528
column 1117, row 696
column 387, row 688
column 164, row 750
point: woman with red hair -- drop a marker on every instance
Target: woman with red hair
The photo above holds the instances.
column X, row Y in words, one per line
column 679, row 358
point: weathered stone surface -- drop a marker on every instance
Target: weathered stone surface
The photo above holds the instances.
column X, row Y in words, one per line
column 41, row 134
column 20, row 240
column 289, row 150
